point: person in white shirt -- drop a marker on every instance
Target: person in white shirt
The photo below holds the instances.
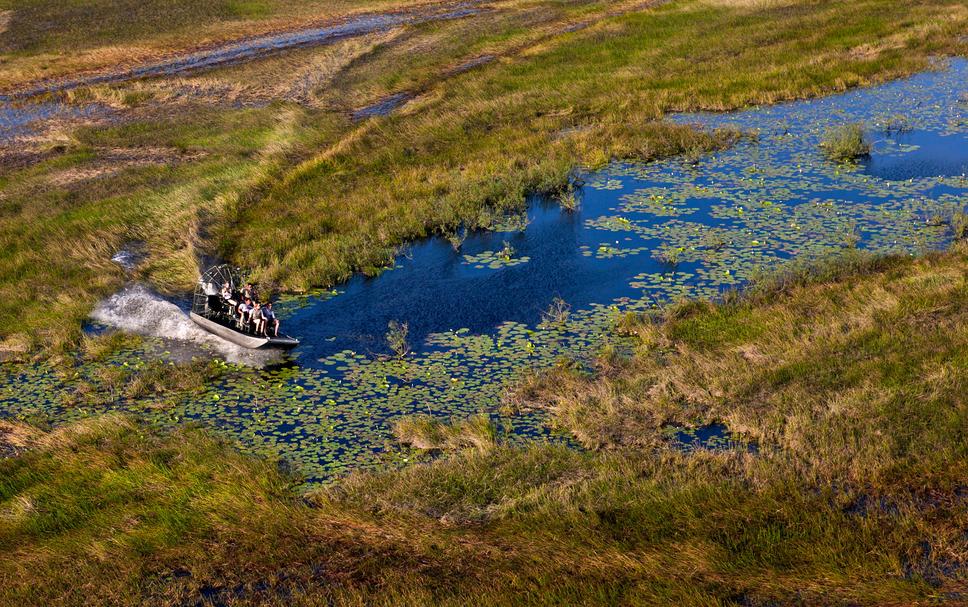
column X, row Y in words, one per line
column 244, row 309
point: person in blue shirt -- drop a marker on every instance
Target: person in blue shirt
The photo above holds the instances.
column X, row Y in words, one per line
column 269, row 320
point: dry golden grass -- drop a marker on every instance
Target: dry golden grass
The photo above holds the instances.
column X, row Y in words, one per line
column 794, row 375
column 114, row 160
column 16, row 437
column 120, row 36
column 428, row 433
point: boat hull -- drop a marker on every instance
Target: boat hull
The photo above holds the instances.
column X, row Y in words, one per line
column 283, row 342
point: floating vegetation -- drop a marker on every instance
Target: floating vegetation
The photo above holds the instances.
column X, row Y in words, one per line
column 893, row 124
column 655, row 201
column 516, row 222
column 494, row 260
column 604, row 183
column 712, row 437
column 729, row 219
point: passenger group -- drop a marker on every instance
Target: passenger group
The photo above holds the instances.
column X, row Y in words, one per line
column 248, row 312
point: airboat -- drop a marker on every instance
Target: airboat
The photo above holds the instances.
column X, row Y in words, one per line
column 212, row 312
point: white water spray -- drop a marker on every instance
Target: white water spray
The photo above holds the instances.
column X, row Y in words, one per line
column 137, row 310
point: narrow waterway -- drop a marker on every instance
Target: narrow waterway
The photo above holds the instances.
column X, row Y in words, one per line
column 641, row 237
column 262, row 46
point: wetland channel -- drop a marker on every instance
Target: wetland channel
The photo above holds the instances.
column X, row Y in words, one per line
column 642, row 236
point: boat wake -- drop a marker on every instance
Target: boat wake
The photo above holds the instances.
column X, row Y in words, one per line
column 138, row 310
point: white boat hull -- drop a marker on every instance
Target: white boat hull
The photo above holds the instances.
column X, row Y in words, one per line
column 241, row 339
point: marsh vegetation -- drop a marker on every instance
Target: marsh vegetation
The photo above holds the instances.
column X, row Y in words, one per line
column 855, row 494
column 478, row 319
column 593, row 388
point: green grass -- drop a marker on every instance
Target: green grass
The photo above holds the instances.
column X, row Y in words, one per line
column 472, row 144
column 846, row 143
column 58, row 235
column 853, row 385
column 798, row 373
column 306, row 197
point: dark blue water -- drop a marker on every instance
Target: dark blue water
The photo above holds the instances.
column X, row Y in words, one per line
column 923, row 154
column 712, row 437
column 433, row 289
column 731, row 213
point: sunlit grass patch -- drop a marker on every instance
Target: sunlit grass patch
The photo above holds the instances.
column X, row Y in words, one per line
column 429, row 433
column 315, row 197
column 16, row 437
column 848, row 340
column 44, row 39
column 846, row 143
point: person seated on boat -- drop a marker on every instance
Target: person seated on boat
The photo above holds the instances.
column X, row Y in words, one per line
column 269, row 320
column 256, row 316
column 248, row 292
column 227, row 293
column 244, row 310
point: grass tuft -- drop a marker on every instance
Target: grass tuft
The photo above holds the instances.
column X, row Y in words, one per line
column 846, row 143
column 396, row 337
column 429, row 433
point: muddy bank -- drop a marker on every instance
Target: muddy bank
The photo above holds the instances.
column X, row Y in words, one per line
column 257, row 48
column 28, row 114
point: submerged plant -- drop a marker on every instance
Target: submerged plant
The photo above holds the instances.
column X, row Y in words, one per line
column 397, row 333
column 959, row 224
column 850, row 237
column 567, row 198
column 456, row 237
column 668, row 255
column 557, row 313
column 895, row 124
column 845, row 143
